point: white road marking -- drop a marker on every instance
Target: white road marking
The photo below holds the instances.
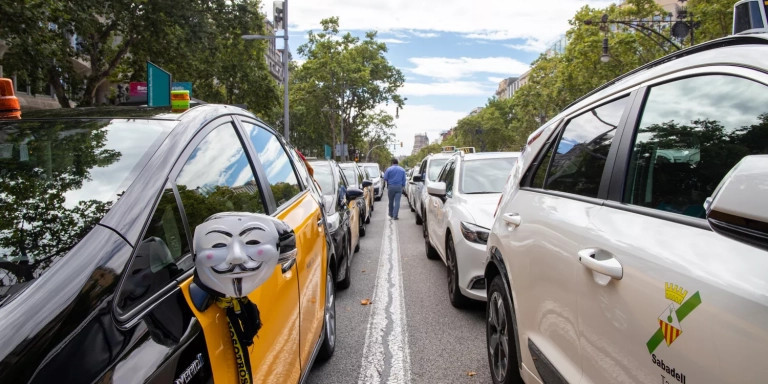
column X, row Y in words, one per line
column 386, row 338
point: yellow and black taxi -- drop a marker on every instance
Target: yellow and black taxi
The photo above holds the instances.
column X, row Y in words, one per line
column 97, row 216
column 357, row 179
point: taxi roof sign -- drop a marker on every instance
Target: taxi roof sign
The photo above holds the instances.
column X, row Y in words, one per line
column 9, row 104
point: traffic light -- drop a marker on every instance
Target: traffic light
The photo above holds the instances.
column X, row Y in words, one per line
column 277, row 8
column 401, row 144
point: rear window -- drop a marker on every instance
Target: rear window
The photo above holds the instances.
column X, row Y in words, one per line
column 373, row 170
column 324, row 177
column 57, row 180
column 486, row 175
column 350, row 174
column 434, row 168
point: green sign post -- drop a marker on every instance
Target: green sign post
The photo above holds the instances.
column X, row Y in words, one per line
column 158, row 86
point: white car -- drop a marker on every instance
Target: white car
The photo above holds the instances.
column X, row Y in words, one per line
column 430, row 167
column 413, row 188
column 375, row 175
column 631, row 241
column 459, row 217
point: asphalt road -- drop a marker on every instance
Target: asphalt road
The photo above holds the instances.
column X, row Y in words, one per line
column 409, row 333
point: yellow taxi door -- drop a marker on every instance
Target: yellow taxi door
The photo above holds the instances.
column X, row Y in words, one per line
column 204, row 189
column 302, row 213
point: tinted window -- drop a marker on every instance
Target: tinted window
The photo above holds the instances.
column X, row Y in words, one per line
column 448, row 178
column 579, row 157
column 691, row 133
column 324, row 177
column 162, row 255
column 373, row 170
column 485, row 175
column 435, row 165
column 218, row 177
column 351, row 175
column 57, row 180
column 280, row 174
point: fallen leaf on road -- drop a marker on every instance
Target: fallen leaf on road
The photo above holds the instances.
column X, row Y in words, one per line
column 365, row 301
column 363, row 270
column 471, row 373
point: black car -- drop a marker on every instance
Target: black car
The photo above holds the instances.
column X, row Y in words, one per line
column 339, row 218
column 96, row 222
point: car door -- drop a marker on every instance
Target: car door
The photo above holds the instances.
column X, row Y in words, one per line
column 218, row 174
column 547, row 222
column 419, row 199
column 442, row 213
column 300, row 210
column 690, row 305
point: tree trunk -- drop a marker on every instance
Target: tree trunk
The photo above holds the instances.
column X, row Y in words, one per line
column 54, row 80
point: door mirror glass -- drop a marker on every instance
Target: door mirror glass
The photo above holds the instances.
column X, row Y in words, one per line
column 367, row 183
column 436, row 189
column 737, row 208
column 236, row 252
column 354, row 193
column 417, row 179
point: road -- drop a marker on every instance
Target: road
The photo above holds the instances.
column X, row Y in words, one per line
column 409, row 333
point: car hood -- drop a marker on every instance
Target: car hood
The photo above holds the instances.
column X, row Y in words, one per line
column 481, row 207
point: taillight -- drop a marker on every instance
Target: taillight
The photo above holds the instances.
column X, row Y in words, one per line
column 9, row 104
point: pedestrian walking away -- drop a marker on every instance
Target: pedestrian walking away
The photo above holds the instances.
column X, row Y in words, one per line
column 394, row 176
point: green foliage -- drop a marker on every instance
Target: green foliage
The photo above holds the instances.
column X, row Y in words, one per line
column 716, row 18
column 341, row 84
column 417, row 157
column 77, row 45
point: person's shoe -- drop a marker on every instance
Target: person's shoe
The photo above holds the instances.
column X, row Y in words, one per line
column 396, row 218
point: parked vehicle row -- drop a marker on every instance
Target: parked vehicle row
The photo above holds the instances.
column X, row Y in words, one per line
column 629, row 242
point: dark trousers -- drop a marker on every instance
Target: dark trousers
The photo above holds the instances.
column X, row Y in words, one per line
column 394, row 192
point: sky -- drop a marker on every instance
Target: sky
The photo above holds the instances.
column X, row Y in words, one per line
column 453, row 53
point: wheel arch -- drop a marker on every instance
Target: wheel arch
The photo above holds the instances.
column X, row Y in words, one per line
column 497, row 267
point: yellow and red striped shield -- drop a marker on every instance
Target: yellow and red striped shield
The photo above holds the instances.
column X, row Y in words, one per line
column 670, row 332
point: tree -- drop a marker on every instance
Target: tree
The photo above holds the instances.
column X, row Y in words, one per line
column 341, row 84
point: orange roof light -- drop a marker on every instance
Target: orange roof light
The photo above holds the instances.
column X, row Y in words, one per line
column 9, row 104
column 179, row 101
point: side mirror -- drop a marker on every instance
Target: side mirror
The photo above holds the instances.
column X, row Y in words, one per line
column 436, row 189
column 737, row 208
column 236, row 252
column 367, row 183
column 354, row 193
column 417, row 179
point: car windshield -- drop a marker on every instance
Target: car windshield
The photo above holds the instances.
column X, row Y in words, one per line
column 57, row 180
column 434, row 168
column 350, row 174
column 373, row 170
column 485, row 175
column 324, row 177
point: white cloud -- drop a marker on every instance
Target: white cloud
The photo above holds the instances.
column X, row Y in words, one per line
column 494, row 19
column 392, row 41
column 425, row 35
column 447, row 88
column 420, row 119
column 496, row 79
column 457, row 68
column 530, row 45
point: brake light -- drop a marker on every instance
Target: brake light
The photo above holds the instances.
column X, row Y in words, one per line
column 9, row 104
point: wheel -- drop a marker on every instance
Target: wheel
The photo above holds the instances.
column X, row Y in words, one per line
column 362, row 226
column 458, row 300
column 411, row 205
column 347, row 280
column 500, row 335
column 431, row 251
column 419, row 221
column 357, row 247
column 368, row 217
column 329, row 318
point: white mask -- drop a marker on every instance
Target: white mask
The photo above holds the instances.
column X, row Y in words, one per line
column 236, row 252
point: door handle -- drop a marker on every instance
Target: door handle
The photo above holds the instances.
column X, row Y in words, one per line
column 602, row 262
column 512, row 219
column 320, row 221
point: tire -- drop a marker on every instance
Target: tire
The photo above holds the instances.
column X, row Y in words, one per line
column 347, row 280
column 329, row 318
column 411, row 205
column 458, row 300
column 357, row 247
column 362, row 227
column 431, row 251
column 419, row 220
column 368, row 218
column 500, row 327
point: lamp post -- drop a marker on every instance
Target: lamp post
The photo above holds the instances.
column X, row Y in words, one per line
column 280, row 17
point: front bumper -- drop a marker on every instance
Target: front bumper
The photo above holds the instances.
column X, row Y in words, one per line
column 470, row 258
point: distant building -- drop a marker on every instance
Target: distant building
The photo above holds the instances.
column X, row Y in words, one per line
column 273, row 56
column 519, row 82
column 558, row 47
column 476, row 111
column 420, row 140
column 445, row 134
column 504, row 91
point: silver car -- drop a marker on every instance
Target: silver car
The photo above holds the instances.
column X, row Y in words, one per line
column 429, row 168
column 614, row 257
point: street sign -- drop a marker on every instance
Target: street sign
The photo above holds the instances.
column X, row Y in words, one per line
column 328, row 153
column 158, row 86
column 339, row 149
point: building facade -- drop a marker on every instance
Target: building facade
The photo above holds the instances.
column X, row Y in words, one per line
column 420, row 140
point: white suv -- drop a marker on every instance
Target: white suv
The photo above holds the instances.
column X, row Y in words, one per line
column 614, row 257
column 459, row 214
column 430, row 167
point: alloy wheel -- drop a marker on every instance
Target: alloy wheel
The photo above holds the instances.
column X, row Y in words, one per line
column 498, row 337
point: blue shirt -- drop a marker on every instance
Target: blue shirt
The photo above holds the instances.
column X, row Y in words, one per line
column 395, row 175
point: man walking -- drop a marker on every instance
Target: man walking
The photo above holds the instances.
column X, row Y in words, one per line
column 395, row 178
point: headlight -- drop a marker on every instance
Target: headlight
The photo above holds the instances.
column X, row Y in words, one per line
column 332, row 221
column 474, row 233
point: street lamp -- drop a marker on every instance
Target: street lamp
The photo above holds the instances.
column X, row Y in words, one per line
column 605, row 57
column 280, row 18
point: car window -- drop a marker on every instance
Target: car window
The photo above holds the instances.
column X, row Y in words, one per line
column 373, row 170
column 277, row 165
column 579, row 156
column 324, row 177
column 691, row 133
column 342, row 179
column 450, row 169
column 57, row 181
column 218, row 177
column 350, row 174
column 423, row 169
column 485, row 175
column 434, row 168
column 162, row 255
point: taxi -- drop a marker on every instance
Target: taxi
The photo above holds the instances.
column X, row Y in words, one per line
column 98, row 211
column 357, row 178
